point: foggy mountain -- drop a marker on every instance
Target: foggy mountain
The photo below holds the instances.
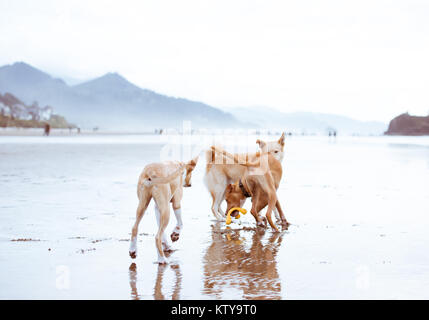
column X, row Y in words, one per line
column 110, row 102
column 307, row 122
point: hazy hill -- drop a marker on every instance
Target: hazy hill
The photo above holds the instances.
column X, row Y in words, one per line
column 110, row 102
column 307, row 122
column 30, row 84
column 405, row 124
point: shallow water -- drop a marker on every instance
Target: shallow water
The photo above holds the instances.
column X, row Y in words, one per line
column 358, row 206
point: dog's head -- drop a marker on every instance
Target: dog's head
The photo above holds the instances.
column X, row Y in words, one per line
column 234, row 198
column 273, row 147
column 190, row 166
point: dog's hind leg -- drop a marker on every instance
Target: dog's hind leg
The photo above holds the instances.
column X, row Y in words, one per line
column 215, row 206
column 177, row 198
column 143, row 203
column 283, row 220
column 162, row 204
column 165, row 244
column 215, row 213
column 216, row 184
column 219, row 196
column 163, row 222
column 272, row 200
column 219, row 193
column 179, row 224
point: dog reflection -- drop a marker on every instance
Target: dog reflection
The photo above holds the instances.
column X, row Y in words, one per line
column 133, row 280
column 229, row 264
column 158, row 295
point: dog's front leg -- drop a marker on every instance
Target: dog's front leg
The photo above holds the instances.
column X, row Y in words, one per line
column 277, row 215
column 255, row 213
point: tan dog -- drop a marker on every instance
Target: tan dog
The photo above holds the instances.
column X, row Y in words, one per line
column 260, row 181
column 221, row 173
column 164, row 183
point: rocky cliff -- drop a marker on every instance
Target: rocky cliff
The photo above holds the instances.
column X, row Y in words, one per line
column 408, row 125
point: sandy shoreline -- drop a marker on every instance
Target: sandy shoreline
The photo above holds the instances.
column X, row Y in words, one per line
column 358, row 213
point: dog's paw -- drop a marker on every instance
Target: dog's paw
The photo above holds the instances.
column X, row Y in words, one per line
column 166, row 248
column 174, row 236
column 133, row 254
column 162, row 261
column 265, row 220
column 263, row 223
column 260, row 224
column 285, row 224
column 275, row 229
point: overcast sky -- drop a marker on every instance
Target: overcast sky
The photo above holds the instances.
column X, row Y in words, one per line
column 365, row 59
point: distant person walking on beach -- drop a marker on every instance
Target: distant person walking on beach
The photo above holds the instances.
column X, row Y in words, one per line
column 47, row 129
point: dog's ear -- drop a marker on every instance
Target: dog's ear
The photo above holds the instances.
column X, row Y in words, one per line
column 261, row 143
column 228, row 188
column 236, row 187
column 282, row 139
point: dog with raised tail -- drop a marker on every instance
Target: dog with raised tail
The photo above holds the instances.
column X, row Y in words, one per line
column 220, row 173
column 164, row 183
column 260, row 181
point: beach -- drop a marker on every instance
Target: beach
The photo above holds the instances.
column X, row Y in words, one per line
column 358, row 208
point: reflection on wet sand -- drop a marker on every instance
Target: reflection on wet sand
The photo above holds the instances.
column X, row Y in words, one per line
column 133, row 280
column 158, row 295
column 248, row 265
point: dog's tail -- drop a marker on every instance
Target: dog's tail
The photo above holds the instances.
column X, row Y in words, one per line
column 210, row 156
column 217, row 155
column 150, row 181
column 237, row 160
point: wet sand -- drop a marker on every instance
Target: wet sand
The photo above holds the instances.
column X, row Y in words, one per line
column 358, row 208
